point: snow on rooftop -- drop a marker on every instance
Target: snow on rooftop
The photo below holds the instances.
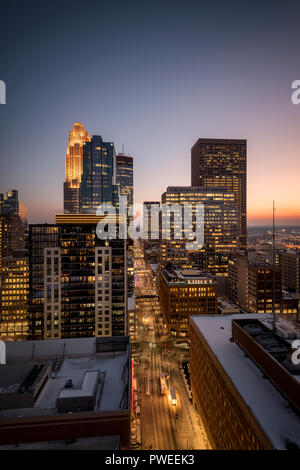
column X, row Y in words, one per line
column 75, row 369
column 267, row 405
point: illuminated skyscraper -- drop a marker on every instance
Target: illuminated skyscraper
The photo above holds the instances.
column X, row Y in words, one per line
column 78, row 282
column 14, row 294
column 9, row 202
column 124, row 164
column 74, row 167
column 220, row 229
column 98, row 182
column 222, row 163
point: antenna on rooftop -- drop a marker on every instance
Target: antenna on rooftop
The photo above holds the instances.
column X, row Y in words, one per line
column 273, row 250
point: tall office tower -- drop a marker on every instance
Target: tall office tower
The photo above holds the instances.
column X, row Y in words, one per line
column 98, row 182
column 73, row 167
column 78, row 283
column 290, row 267
column 9, row 202
column 41, row 237
column 222, row 163
column 124, row 176
column 14, row 296
column 219, row 230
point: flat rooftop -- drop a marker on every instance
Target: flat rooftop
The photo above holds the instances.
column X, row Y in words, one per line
column 174, row 274
column 226, row 304
column 98, row 366
column 267, row 404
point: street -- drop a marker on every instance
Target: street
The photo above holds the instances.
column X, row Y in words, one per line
column 162, row 423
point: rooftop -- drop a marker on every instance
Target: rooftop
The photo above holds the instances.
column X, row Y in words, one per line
column 93, row 372
column 271, row 410
column 174, row 274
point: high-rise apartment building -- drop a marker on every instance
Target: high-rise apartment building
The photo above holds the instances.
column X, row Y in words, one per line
column 14, row 297
column 93, row 280
column 219, row 229
column 222, row 163
column 185, row 292
column 74, row 167
column 98, row 182
column 124, row 176
column 78, row 282
column 41, row 237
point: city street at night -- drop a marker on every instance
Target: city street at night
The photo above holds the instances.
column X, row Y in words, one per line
column 163, row 425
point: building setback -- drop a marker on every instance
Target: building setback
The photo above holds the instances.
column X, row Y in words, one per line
column 222, row 163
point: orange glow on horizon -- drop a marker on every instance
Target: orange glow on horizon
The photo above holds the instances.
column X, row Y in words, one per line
column 288, row 216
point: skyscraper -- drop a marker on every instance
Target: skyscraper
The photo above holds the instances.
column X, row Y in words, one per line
column 92, row 290
column 73, row 167
column 220, row 229
column 124, row 164
column 41, row 237
column 9, row 202
column 78, row 282
column 222, row 163
column 98, row 182
column 14, row 294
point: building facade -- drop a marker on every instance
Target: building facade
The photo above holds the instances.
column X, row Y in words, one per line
column 183, row 293
column 41, row 237
column 74, row 167
column 219, row 229
column 222, row 163
column 290, row 267
column 124, row 176
column 14, row 297
column 234, row 393
column 98, row 182
column 9, row 202
column 256, row 285
column 78, row 284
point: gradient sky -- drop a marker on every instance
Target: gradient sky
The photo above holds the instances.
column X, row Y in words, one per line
column 154, row 76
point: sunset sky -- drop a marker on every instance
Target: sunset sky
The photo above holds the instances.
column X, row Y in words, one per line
column 154, row 76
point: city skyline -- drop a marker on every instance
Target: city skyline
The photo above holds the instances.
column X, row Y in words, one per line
column 173, row 75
